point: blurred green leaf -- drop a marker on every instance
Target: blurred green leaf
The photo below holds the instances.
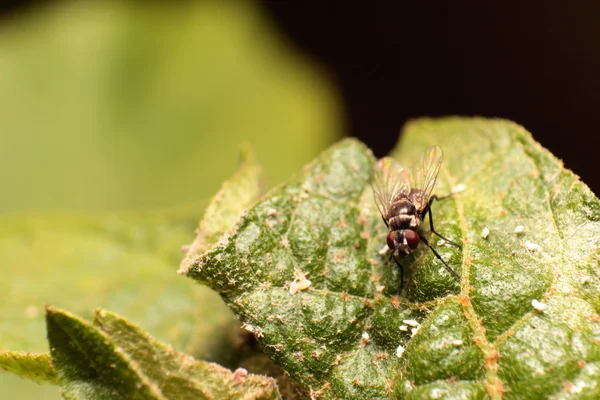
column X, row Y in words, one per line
column 110, row 105
column 133, row 105
column 126, row 263
column 34, row 366
column 115, row 359
column 18, row 388
column 191, row 317
column 305, row 272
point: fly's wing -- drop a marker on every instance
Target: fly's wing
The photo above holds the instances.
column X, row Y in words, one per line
column 424, row 174
column 388, row 181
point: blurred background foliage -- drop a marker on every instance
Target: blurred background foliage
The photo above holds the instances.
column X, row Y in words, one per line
column 108, row 108
column 114, row 105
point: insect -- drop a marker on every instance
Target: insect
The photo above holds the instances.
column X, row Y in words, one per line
column 403, row 198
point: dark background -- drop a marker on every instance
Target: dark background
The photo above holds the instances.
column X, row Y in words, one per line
column 534, row 62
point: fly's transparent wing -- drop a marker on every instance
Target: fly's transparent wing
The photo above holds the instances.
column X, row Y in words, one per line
column 389, row 180
column 424, row 174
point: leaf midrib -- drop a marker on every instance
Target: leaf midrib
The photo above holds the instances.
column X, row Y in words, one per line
column 489, row 350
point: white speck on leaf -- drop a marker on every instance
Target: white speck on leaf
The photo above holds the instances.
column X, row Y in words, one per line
column 441, row 242
column 364, row 339
column 577, row 386
column 271, row 211
column 457, row 342
column 257, row 331
column 532, row 246
column 485, row 232
column 537, row 305
column 403, row 328
column 300, row 282
column 458, row 188
column 411, row 322
column 399, row 351
column 519, row 229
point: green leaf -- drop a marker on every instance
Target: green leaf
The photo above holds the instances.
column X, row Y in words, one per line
column 115, row 359
column 304, row 271
column 34, row 366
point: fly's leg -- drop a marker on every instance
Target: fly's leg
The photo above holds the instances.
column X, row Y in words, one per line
column 449, row 268
column 440, row 198
column 434, row 197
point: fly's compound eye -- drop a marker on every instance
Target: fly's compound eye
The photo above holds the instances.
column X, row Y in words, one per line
column 412, row 238
column 390, row 240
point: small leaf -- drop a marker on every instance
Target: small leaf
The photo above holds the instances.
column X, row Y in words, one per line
column 34, row 366
column 339, row 334
column 115, row 359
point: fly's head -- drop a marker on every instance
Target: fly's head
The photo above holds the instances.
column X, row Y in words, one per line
column 402, row 242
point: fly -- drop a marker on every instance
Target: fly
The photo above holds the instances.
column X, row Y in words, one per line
column 404, row 197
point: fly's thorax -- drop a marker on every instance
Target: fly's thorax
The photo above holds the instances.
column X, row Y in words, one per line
column 415, row 193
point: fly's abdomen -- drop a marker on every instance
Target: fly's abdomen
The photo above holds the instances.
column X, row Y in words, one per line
column 402, row 215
